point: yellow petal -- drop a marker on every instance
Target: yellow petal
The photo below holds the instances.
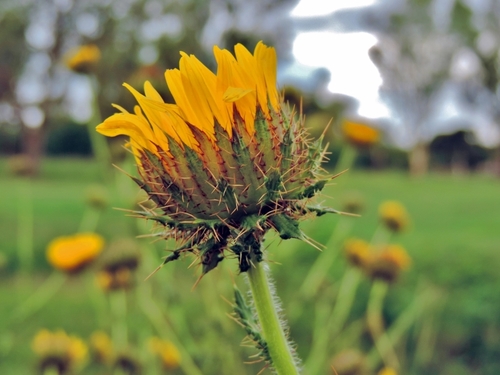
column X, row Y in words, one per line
column 233, row 94
column 161, row 120
column 126, row 124
column 268, row 62
column 151, row 92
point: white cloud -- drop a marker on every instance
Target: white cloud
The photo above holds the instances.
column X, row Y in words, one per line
column 345, row 55
column 314, row 8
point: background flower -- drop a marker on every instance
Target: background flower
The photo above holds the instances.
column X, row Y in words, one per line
column 73, row 253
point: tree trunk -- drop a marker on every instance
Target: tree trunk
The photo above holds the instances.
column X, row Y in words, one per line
column 33, row 149
column 418, row 159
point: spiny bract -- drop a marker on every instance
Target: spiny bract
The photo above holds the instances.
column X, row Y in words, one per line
column 227, row 162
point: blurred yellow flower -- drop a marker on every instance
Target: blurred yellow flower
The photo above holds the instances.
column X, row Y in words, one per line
column 389, row 262
column 394, row 215
column 60, row 350
column 73, row 253
column 101, row 347
column 117, row 265
column 82, row 59
column 387, row 371
column 357, row 252
column 168, row 353
column 353, row 203
column 359, row 134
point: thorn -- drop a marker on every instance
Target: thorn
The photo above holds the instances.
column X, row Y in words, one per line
column 197, row 282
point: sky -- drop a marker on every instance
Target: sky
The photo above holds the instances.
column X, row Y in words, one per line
column 345, row 55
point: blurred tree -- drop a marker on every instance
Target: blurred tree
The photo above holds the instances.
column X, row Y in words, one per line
column 413, row 58
column 425, row 48
column 481, row 31
column 131, row 34
column 138, row 40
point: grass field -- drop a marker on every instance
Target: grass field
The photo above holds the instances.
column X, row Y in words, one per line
column 454, row 243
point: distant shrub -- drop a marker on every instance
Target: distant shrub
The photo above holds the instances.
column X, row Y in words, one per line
column 68, row 139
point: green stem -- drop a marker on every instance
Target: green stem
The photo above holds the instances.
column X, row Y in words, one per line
column 381, row 236
column 51, row 370
column 272, row 330
column 97, row 299
column 165, row 328
column 332, row 327
column 98, row 143
column 346, row 158
column 376, row 325
column 25, row 226
column 90, row 219
column 118, row 305
column 325, row 259
column 42, row 295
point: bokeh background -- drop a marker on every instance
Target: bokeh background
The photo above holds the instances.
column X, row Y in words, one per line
column 423, row 73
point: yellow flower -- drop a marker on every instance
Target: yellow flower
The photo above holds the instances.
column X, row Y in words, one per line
column 168, row 353
column 83, row 59
column 117, row 265
column 357, row 252
column 359, row 134
column 353, row 203
column 388, row 263
column 60, row 350
column 102, row 347
column 73, row 253
column 387, row 371
column 226, row 162
column 393, row 214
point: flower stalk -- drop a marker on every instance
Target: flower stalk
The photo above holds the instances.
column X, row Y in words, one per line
column 25, row 226
column 118, row 305
column 319, row 270
column 99, row 144
column 37, row 300
column 264, row 299
column 376, row 325
column 334, row 325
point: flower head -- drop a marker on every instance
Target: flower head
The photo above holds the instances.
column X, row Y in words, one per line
column 101, row 347
column 357, row 252
column 394, row 215
column 59, row 350
column 82, row 59
column 359, row 134
column 226, row 162
column 72, row 253
column 353, row 203
column 118, row 264
column 168, row 353
column 388, row 263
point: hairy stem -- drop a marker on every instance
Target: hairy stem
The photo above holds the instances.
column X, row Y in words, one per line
column 279, row 348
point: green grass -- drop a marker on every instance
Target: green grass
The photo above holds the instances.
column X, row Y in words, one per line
column 453, row 241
